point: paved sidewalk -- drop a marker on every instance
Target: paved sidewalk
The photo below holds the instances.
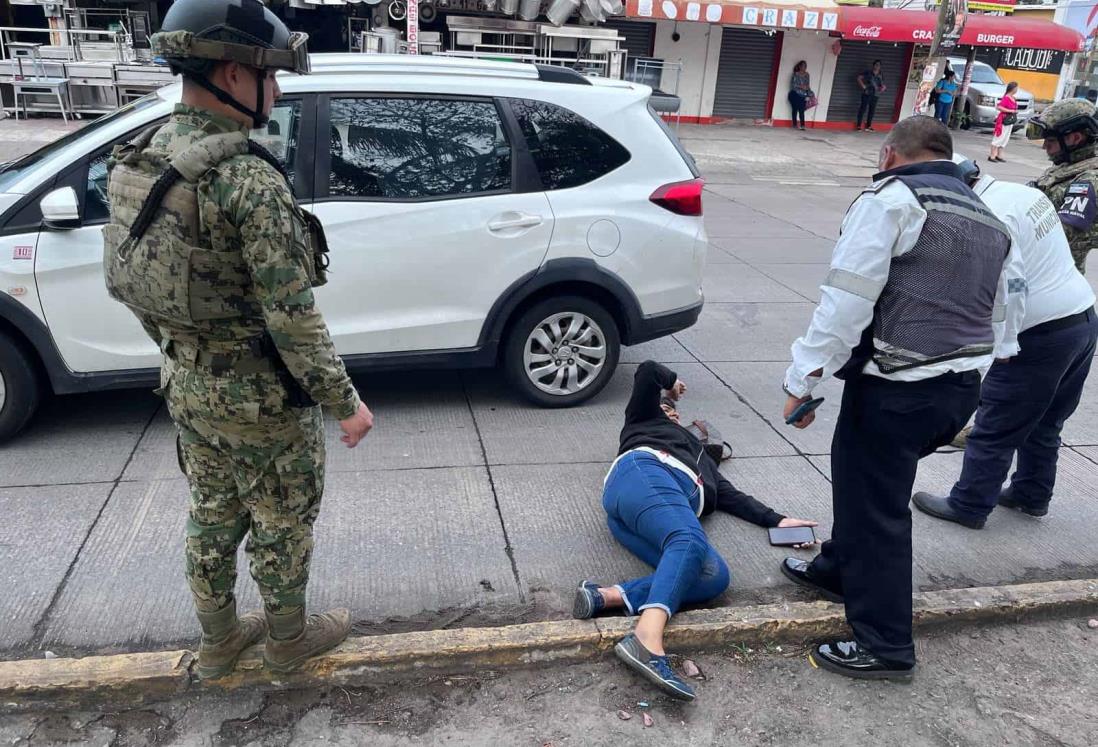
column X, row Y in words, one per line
column 466, row 506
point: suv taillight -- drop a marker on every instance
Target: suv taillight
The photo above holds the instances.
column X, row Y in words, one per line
column 683, row 198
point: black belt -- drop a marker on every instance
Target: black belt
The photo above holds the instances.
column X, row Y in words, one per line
column 1062, row 323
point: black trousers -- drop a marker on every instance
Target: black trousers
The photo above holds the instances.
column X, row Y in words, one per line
column 884, row 429
column 1023, row 407
column 797, row 103
column 867, row 109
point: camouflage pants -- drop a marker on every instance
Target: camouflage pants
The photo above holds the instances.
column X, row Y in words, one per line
column 256, row 469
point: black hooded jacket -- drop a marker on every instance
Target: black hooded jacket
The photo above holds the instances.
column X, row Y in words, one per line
column 647, row 425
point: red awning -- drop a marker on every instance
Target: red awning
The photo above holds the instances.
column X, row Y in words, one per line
column 917, row 26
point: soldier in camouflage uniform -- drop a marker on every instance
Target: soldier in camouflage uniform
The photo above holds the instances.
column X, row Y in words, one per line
column 1069, row 130
column 209, row 249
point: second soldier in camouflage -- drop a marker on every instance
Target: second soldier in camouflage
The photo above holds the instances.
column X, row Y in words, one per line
column 1069, row 130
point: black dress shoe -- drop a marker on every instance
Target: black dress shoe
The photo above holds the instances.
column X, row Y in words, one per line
column 800, row 572
column 851, row 660
column 939, row 506
column 1007, row 500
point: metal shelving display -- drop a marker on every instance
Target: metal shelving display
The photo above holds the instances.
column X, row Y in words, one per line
column 92, row 71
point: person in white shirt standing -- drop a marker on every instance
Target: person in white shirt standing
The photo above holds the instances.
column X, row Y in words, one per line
column 1027, row 396
column 910, row 311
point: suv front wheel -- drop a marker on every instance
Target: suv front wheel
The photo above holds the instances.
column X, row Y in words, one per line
column 19, row 388
column 562, row 351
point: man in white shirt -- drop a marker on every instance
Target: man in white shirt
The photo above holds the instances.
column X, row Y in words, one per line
column 911, row 310
column 1026, row 396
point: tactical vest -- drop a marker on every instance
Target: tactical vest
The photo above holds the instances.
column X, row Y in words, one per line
column 939, row 301
column 154, row 258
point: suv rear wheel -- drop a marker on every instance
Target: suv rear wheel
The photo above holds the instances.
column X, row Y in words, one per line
column 562, row 351
column 20, row 390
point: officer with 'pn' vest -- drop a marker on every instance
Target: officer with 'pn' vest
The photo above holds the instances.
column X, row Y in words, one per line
column 208, row 248
column 910, row 311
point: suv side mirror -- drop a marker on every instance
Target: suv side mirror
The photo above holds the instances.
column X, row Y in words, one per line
column 60, row 209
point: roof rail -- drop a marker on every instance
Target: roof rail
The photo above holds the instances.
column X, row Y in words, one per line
column 558, row 74
column 351, row 62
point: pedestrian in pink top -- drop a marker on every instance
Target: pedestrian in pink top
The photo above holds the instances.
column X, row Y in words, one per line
column 1004, row 123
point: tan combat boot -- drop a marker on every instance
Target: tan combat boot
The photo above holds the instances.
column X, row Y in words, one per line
column 224, row 636
column 293, row 639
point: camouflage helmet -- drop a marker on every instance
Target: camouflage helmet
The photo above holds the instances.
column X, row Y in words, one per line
column 198, row 33
column 1061, row 119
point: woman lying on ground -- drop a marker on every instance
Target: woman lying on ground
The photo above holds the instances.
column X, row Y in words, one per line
column 660, row 485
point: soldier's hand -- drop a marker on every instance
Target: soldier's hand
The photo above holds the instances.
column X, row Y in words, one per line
column 357, row 426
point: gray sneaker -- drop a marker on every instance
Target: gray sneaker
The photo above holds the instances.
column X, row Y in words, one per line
column 655, row 669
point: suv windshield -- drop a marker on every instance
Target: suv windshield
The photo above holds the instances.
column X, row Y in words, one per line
column 980, row 73
column 12, row 170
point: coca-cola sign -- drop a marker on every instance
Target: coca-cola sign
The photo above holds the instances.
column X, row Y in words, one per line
column 867, row 32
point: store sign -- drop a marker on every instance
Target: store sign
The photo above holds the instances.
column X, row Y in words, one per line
column 1037, row 60
column 866, row 32
column 413, row 27
column 1028, row 60
column 986, row 6
column 992, row 6
column 733, row 15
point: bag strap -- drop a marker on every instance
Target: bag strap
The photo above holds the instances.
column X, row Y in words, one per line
column 700, row 425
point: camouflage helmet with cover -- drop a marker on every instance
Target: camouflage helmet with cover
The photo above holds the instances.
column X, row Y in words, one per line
column 198, row 34
column 1061, row 119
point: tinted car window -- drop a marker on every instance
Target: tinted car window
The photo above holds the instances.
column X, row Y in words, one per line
column 567, row 149
column 97, row 206
column 281, row 133
column 411, row 148
column 279, row 137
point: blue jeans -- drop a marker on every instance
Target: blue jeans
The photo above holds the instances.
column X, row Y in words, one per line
column 1023, row 407
column 942, row 111
column 650, row 510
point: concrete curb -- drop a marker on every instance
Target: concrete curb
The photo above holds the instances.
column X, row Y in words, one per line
column 132, row 679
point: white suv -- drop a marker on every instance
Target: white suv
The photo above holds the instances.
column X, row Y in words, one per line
column 478, row 213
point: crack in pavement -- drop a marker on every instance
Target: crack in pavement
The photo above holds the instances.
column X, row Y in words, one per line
column 508, row 548
column 40, row 627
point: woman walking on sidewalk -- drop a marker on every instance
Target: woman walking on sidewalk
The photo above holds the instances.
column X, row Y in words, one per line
column 799, row 92
column 1004, row 123
column 660, row 485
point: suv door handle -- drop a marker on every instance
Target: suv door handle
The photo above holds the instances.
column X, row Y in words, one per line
column 522, row 220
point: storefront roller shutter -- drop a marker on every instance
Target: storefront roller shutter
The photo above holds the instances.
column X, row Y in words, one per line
column 640, row 36
column 743, row 75
column 855, row 57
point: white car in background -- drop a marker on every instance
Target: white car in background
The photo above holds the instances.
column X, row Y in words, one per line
column 478, row 214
